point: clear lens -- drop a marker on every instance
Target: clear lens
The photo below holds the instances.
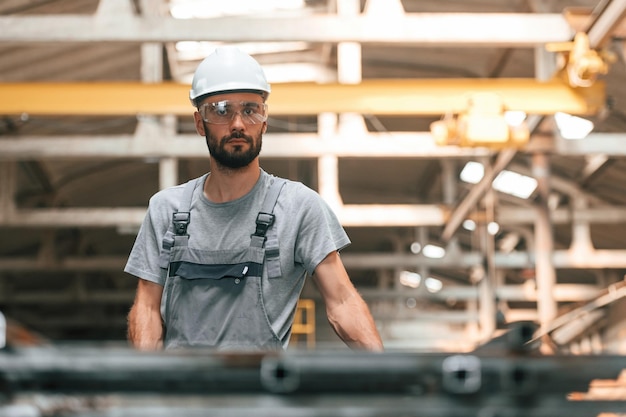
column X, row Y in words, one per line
column 223, row 112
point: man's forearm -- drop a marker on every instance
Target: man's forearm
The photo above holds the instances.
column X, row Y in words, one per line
column 145, row 329
column 353, row 323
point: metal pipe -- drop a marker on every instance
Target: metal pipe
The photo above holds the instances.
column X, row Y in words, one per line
column 65, row 369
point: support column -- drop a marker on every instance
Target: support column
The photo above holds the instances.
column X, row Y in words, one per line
column 486, row 287
column 581, row 232
column 7, row 190
column 328, row 165
column 450, row 194
column 152, row 72
column 168, row 172
column 348, row 72
column 328, row 174
column 544, row 245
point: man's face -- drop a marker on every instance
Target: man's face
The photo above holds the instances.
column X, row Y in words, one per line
column 233, row 128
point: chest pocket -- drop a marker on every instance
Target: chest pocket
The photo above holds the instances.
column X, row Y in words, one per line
column 201, row 271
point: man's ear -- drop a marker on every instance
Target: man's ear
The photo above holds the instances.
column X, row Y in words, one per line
column 199, row 124
column 264, row 127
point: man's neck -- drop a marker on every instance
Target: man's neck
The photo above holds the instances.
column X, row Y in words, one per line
column 227, row 184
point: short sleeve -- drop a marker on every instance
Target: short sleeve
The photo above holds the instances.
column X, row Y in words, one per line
column 143, row 261
column 320, row 232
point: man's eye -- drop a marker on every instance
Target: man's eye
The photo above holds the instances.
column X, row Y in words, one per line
column 221, row 111
column 252, row 108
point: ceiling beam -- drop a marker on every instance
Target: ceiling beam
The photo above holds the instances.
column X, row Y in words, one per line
column 75, row 217
column 283, row 145
column 593, row 165
column 602, row 27
column 377, row 96
column 275, row 145
column 580, row 19
column 423, row 29
column 562, row 259
column 350, row 215
column 594, row 143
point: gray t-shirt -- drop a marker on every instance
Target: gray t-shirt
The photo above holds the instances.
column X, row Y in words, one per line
column 307, row 231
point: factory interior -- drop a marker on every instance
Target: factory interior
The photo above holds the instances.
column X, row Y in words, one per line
column 473, row 150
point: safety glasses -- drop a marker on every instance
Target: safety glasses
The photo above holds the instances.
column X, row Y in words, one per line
column 223, row 112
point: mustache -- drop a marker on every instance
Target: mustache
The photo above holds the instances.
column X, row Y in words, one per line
column 236, row 135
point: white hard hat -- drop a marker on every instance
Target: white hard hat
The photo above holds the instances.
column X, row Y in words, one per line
column 228, row 69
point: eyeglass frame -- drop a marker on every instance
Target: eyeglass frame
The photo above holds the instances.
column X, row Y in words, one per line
column 247, row 119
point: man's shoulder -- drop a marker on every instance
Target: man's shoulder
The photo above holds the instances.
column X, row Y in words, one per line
column 168, row 194
column 170, row 197
column 293, row 189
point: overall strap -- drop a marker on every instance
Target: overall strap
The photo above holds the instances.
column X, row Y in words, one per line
column 181, row 218
column 265, row 235
column 178, row 236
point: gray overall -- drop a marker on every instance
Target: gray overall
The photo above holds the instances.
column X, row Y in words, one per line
column 213, row 298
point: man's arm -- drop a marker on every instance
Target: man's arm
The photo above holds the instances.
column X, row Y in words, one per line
column 347, row 312
column 145, row 328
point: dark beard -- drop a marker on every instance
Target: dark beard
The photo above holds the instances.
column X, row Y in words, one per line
column 238, row 158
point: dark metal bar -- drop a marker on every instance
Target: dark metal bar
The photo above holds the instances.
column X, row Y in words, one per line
column 90, row 370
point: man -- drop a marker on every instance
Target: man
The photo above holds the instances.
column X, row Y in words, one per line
column 223, row 259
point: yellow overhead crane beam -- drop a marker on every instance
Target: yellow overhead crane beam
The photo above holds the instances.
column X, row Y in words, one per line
column 401, row 97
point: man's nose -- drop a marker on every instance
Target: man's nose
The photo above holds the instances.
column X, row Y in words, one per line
column 237, row 120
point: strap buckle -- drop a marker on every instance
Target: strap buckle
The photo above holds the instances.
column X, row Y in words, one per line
column 180, row 220
column 263, row 222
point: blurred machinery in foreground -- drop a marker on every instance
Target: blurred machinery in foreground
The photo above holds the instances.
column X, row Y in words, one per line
column 508, row 378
